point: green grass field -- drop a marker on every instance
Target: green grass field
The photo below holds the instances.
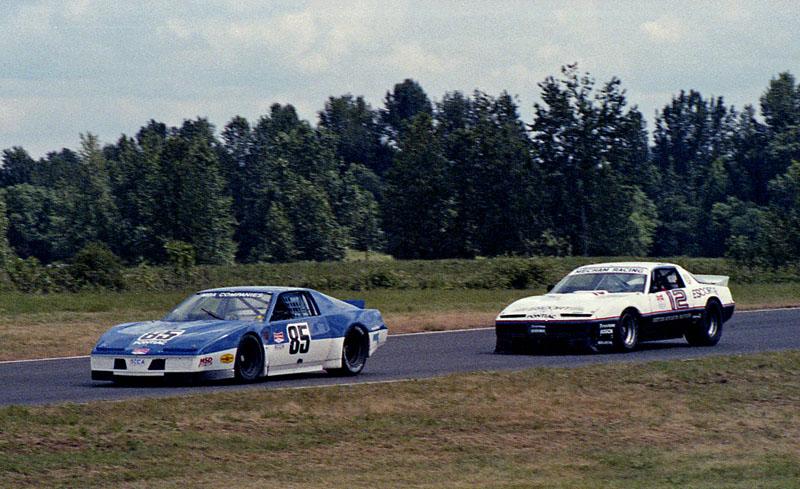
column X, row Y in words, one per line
column 723, row 422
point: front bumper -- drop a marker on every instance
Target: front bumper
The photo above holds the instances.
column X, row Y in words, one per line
column 531, row 333
column 114, row 367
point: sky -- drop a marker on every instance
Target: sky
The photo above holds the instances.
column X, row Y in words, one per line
column 107, row 67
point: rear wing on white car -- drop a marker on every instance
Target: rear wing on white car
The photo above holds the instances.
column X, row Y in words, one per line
column 721, row 280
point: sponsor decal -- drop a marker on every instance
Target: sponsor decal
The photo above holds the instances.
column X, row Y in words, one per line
column 703, row 291
column 206, row 362
column 254, row 295
column 675, row 317
column 141, row 351
column 137, row 362
column 541, row 316
column 226, row 358
column 582, row 270
column 158, row 337
column 277, row 337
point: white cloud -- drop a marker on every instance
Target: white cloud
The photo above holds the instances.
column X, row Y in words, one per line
column 108, row 66
column 12, row 111
column 414, row 60
column 662, row 29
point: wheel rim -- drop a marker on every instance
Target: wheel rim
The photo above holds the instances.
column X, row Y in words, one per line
column 628, row 331
column 248, row 359
column 354, row 349
column 713, row 324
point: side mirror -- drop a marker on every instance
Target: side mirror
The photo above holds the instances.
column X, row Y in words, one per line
column 550, row 287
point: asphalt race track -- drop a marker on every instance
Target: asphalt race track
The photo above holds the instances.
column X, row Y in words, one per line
column 414, row 356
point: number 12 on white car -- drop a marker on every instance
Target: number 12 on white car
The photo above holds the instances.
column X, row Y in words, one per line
column 677, row 299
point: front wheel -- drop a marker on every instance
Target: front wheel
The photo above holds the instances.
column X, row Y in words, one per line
column 354, row 352
column 708, row 330
column 249, row 359
column 626, row 335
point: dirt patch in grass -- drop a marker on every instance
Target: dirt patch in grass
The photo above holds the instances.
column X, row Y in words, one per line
column 438, row 321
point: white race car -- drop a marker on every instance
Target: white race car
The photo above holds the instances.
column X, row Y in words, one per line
column 615, row 306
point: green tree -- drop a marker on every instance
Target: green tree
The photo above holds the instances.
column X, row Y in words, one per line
column 134, row 175
column 93, row 215
column 405, row 102
column 420, row 207
column 586, row 142
column 190, row 200
column 17, row 167
column 357, row 132
column 491, row 172
column 693, row 151
column 289, row 174
column 37, row 225
column 5, row 249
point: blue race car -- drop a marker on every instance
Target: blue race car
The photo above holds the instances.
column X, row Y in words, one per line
column 243, row 333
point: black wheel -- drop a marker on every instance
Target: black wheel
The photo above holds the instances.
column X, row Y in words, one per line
column 708, row 330
column 354, row 352
column 249, row 359
column 626, row 335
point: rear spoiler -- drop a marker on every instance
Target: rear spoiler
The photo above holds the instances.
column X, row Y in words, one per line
column 721, row 280
column 358, row 304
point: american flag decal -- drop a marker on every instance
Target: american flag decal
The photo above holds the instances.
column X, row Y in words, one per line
column 277, row 337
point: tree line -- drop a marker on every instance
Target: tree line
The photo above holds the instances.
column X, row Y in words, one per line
column 455, row 178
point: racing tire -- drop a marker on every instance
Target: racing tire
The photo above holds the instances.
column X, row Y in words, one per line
column 708, row 330
column 355, row 351
column 626, row 334
column 249, row 359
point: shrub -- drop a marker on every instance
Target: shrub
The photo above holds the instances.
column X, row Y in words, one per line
column 96, row 266
column 518, row 273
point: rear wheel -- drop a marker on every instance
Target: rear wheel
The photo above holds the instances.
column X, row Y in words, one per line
column 708, row 330
column 626, row 335
column 249, row 359
column 355, row 350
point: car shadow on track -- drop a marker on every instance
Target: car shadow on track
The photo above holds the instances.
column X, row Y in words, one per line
column 158, row 383
column 562, row 350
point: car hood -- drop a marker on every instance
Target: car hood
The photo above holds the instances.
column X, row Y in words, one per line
column 577, row 305
column 167, row 337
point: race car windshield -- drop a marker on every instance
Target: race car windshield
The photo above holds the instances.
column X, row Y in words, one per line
column 609, row 282
column 226, row 306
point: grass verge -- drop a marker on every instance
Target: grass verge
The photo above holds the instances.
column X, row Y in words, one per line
column 722, row 422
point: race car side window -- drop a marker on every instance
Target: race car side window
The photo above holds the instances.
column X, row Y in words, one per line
column 666, row 279
column 294, row 305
